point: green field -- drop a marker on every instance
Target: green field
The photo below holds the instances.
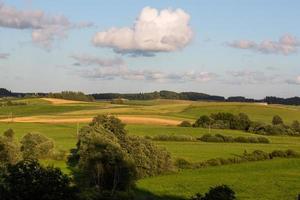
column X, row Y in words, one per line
column 275, row 179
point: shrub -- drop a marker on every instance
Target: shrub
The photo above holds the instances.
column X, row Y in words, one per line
column 185, row 124
column 278, row 153
column 222, row 192
column 35, row 145
column 241, row 139
column 277, row 120
column 263, row 140
column 182, row 163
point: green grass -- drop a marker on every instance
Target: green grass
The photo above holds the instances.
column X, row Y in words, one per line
column 256, row 112
column 275, row 179
column 264, row 180
column 64, row 135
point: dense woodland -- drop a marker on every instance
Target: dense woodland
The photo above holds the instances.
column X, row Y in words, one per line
column 164, row 94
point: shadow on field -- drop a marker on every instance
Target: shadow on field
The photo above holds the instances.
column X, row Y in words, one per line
column 146, row 195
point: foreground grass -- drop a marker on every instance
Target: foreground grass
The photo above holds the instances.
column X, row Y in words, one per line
column 264, row 180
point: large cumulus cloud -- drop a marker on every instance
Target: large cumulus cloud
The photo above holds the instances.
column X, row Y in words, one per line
column 154, row 31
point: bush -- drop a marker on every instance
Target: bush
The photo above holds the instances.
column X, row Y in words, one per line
column 185, row 124
column 263, row 140
column 182, row 163
column 35, row 145
column 222, row 192
column 222, row 138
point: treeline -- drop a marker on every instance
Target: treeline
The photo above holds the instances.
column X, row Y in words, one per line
column 164, row 94
column 241, row 121
column 69, row 95
column 194, row 96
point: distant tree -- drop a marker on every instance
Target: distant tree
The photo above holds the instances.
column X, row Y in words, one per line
column 204, row 121
column 35, row 145
column 277, row 120
column 28, row 180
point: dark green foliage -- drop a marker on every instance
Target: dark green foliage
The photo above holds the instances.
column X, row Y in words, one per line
column 77, row 96
column 35, row 145
column 28, row 180
column 185, row 124
column 240, row 139
column 9, row 134
column 222, row 192
column 277, row 120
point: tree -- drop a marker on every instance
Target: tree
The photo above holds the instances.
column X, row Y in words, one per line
column 101, row 161
column 35, row 145
column 9, row 149
column 204, row 121
column 277, row 120
column 28, row 180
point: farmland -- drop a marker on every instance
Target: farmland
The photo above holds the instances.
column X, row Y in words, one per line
column 61, row 120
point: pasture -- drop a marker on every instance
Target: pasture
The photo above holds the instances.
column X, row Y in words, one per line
column 274, row 179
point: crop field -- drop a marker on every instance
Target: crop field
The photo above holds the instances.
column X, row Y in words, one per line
column 61, row 120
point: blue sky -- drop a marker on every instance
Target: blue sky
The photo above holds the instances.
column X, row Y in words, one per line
column 248, row 48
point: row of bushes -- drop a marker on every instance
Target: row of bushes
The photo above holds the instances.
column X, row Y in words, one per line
column 186, row 138
column 256, row 155
column 240, row 139
column 241, row 121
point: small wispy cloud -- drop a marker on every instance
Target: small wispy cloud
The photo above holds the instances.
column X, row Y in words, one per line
column 116, row 68
column 45, row 28
column 286, row 45
column 295, row 81
column 4, row 55
column 249, row 77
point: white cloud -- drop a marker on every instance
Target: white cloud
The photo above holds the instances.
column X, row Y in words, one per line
column 250, row 77
column 286, row 45
column 4, row 55
column 295, row 81
column 45, row 28
column 84, row 59
column 154, row 31
column 114, row 68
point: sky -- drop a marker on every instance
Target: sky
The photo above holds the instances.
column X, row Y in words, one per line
column 229, row 48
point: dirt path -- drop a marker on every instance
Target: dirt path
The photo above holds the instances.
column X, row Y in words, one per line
column 125, row 119
column 60, row 101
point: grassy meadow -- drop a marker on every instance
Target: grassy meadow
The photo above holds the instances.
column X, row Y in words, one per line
column 270, row 180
